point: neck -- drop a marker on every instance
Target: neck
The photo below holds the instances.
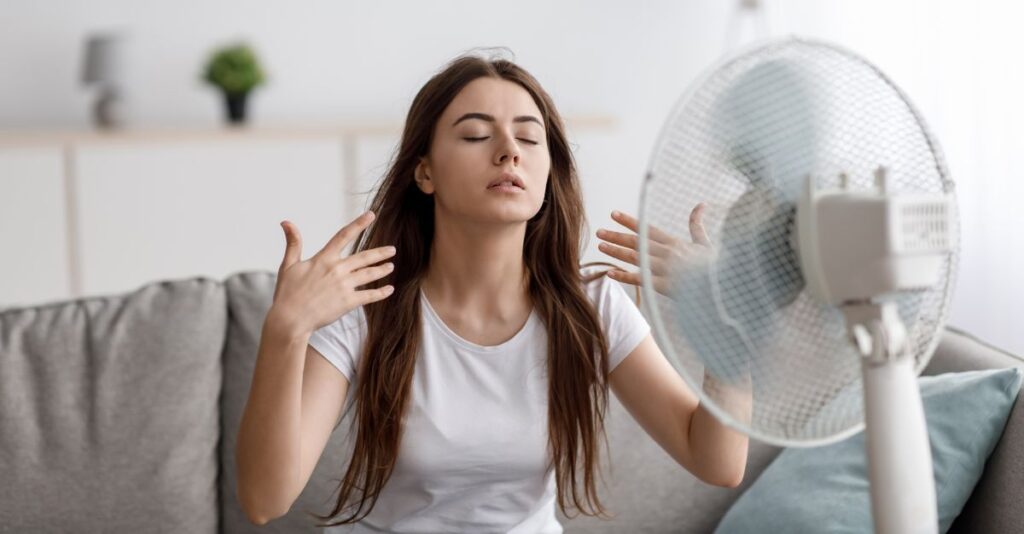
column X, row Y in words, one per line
column 476, row 268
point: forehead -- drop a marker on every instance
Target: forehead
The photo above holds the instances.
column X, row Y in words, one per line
column 501, row 98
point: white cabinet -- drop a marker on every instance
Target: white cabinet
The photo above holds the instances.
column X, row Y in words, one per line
column 152, row 211
column 90, row 213
column 33, row 227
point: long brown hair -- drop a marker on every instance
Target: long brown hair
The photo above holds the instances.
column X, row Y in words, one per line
column 577, row 348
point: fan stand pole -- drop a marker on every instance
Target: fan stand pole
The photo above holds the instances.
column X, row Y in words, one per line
column 899, row 459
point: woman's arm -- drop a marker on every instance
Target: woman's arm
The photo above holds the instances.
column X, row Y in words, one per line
column 652, row 390
column 294, row 402
column 296, row 395
column 714, row 441
column 668, row 410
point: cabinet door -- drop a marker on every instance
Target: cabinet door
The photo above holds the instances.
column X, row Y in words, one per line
column 154, row 211
column 33, row 228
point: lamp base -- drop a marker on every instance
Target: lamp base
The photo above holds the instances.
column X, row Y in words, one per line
column 108, row 111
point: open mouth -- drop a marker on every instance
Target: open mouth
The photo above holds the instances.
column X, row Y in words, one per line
column 506, row 186
column 507, row 182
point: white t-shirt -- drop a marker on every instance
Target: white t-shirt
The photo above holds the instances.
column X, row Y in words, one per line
column 473, row 454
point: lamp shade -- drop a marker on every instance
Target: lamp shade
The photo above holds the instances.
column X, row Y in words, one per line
column 104, row 59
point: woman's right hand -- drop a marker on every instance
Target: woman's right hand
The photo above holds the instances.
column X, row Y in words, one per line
column 312, row 293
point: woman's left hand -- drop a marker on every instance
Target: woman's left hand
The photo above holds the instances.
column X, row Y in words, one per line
column 665, row 250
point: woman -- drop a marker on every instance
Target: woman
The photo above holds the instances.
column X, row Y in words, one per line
column 481, row 356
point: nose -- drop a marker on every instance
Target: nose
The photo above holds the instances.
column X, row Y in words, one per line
column 508, row 150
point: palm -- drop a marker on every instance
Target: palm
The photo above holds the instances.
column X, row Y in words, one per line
column 667, row 253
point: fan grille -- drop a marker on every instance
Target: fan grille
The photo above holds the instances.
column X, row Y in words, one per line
column 743, row 140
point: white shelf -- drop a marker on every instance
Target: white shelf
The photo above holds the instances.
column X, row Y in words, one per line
column 355, row 129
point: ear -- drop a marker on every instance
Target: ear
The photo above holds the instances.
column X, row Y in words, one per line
column 422, row 176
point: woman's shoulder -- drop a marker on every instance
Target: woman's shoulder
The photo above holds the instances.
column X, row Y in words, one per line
column 617, row 308
column 595, row 271
column 596, row 282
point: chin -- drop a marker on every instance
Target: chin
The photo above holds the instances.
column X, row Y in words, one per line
column 510, row 214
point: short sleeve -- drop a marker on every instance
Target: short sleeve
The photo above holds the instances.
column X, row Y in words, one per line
column 624, row 325
column 341, row 342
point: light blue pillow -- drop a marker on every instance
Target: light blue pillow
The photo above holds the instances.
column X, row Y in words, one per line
column 825, row 489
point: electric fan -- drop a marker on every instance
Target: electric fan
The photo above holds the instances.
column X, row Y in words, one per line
column 831, row 254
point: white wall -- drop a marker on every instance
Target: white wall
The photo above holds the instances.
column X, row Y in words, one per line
column 331, row 60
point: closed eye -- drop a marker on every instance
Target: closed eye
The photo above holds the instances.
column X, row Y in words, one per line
column 475, row 139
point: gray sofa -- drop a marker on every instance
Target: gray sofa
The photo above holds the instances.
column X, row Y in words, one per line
column 119, row 414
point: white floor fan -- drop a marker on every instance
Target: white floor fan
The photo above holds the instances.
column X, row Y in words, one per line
column 833, row 227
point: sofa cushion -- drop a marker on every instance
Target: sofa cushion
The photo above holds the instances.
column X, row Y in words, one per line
column 108, row 411
column 649, row 492
column 994, row 505
column 249, row 297
column 826, row 488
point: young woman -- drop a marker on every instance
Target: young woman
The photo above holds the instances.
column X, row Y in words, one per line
column 480, row 354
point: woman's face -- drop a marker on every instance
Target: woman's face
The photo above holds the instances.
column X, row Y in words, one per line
column 492, row 127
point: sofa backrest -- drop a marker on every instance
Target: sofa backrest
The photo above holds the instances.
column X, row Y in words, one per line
column 108, row 419
column 644, row 488
column 121, row 413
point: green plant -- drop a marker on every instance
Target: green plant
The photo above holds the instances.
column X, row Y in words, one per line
column 235, row 69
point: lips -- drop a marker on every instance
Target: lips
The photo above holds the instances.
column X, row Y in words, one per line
column 507, row 178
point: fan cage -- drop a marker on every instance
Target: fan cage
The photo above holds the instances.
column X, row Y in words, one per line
column 803, row 107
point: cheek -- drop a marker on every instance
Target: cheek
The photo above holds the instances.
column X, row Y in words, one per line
column 460, row 160
column 450, row 167
column 542, row 175
column 538, row 191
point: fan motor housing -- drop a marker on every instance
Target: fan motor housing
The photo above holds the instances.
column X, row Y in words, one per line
column 858, row 245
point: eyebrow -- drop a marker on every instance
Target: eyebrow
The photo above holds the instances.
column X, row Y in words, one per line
column 490, row 118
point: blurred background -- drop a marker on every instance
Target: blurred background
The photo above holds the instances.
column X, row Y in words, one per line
column 119, row 164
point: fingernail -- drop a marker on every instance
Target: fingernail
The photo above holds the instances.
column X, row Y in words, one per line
column 391, row 250
column 601, row 232
column 615, row 214
column 389, row 289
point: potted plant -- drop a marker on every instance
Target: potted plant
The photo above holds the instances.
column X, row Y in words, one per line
column 236, row 71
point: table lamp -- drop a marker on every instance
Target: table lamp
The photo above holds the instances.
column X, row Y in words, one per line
column 103, row 67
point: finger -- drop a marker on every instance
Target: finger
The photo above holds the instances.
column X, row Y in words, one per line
column 619, row 238
column 632, row 241
column 369, row 274
column 653, row 232
column 697, row 231
column 293, row 245
column 368, row 257
column 342, row 238
column 621, row 253
column 367, row 296
column 626, row 277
